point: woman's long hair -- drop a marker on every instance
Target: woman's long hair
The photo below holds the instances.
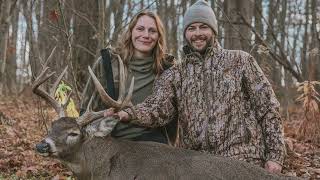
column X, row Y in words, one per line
column 125, row 47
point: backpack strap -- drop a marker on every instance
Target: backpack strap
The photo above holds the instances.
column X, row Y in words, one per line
column 106, row 62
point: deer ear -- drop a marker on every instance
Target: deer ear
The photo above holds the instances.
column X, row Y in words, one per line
column 101, row 127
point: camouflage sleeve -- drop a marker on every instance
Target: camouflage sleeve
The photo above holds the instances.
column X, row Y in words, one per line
column 266, row 107
column 158, row 108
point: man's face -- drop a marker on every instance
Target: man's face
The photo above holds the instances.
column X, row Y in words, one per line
column 199, row 36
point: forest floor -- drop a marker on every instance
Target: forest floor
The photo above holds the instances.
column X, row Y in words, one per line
column 22, row 125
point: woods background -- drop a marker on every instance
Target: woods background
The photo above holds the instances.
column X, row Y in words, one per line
column 284, row 36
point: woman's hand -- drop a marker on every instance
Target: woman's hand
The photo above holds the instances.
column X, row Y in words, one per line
column 121, row 115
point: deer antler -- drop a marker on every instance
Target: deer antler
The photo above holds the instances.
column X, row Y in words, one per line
column 86, row 118
column 121, row 103
column 49, row 97
column 107, row 99
column 89, row 115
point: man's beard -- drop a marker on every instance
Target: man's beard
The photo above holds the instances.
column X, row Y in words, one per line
column 201, row 37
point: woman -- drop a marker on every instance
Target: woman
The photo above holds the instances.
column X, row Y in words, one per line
column 142, row 50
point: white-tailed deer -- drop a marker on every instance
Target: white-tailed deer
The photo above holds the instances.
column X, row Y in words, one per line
column 100, row 158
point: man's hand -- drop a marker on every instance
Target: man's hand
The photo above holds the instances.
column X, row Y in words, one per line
column 273, row 167
column 121, row 115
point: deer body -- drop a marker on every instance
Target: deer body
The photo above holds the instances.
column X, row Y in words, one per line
column 101, row 158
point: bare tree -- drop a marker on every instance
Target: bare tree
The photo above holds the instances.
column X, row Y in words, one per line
column 12, row 53
column 6, row 11
column 173, row 37
column 118, row 12
column 85, row 35
column 237, row 35
column 315, row 43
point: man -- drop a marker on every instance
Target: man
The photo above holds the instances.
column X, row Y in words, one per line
column 223, row 101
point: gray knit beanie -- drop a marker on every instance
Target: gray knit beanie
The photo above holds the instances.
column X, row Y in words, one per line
column 200, row 12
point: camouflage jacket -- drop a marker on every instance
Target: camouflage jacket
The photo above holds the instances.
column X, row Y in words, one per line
column 224, row 103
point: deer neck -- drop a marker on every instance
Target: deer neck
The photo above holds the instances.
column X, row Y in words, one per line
column 74, row 161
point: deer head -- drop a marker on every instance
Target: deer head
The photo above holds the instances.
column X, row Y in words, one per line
column 64, row 137
column 67, row 134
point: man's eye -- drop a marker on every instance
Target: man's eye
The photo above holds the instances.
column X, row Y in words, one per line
column 204, row 27
column 191, row 29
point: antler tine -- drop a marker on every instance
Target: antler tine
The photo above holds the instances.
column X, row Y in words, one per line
column 56, row 83
column 49, row 57
column 121, row 80
column 127, row 100
column 89, row 115
column 81, row 120
column 42, row 77
column 89, row 107
column 40, row 92
column 104, row 96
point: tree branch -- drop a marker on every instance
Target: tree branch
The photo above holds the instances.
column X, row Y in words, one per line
column 281, row 60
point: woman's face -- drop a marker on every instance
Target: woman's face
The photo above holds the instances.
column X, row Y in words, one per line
column 144, row 36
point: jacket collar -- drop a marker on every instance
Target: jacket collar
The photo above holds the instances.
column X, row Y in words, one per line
column 191, row 56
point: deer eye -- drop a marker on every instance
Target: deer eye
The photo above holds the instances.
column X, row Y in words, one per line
column 73, row 134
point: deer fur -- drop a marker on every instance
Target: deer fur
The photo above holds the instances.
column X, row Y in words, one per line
column 100, row 158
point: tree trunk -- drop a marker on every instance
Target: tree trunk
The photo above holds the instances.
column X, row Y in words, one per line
column 259, row 28
column 101, row 27
column 257, row 19
column 34, row 53
column 315, row 45
column 220, row 14
column 85, row 35
column 118, row 16
column 7, row 7
column 12, row 54
column 108, row 20
column 237, row 35
column 173, row 42
column 275, row 67
column 304, row 60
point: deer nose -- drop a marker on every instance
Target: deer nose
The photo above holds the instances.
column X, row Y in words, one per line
column 43, row 147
